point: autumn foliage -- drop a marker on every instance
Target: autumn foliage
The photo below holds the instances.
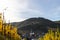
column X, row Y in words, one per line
column 51, row 35
column 7, row 31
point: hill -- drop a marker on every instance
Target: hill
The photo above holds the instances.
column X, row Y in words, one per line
column 36, row 25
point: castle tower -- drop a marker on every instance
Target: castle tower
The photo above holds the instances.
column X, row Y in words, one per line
column 1, row 21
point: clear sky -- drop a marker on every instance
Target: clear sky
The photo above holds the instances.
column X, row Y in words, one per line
column 19, row 10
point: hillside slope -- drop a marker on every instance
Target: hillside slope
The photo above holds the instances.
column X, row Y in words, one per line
column 36, row 25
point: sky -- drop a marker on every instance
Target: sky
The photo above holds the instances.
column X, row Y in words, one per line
column 19, row 10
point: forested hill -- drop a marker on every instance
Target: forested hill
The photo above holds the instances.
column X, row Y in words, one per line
column 36, row 24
